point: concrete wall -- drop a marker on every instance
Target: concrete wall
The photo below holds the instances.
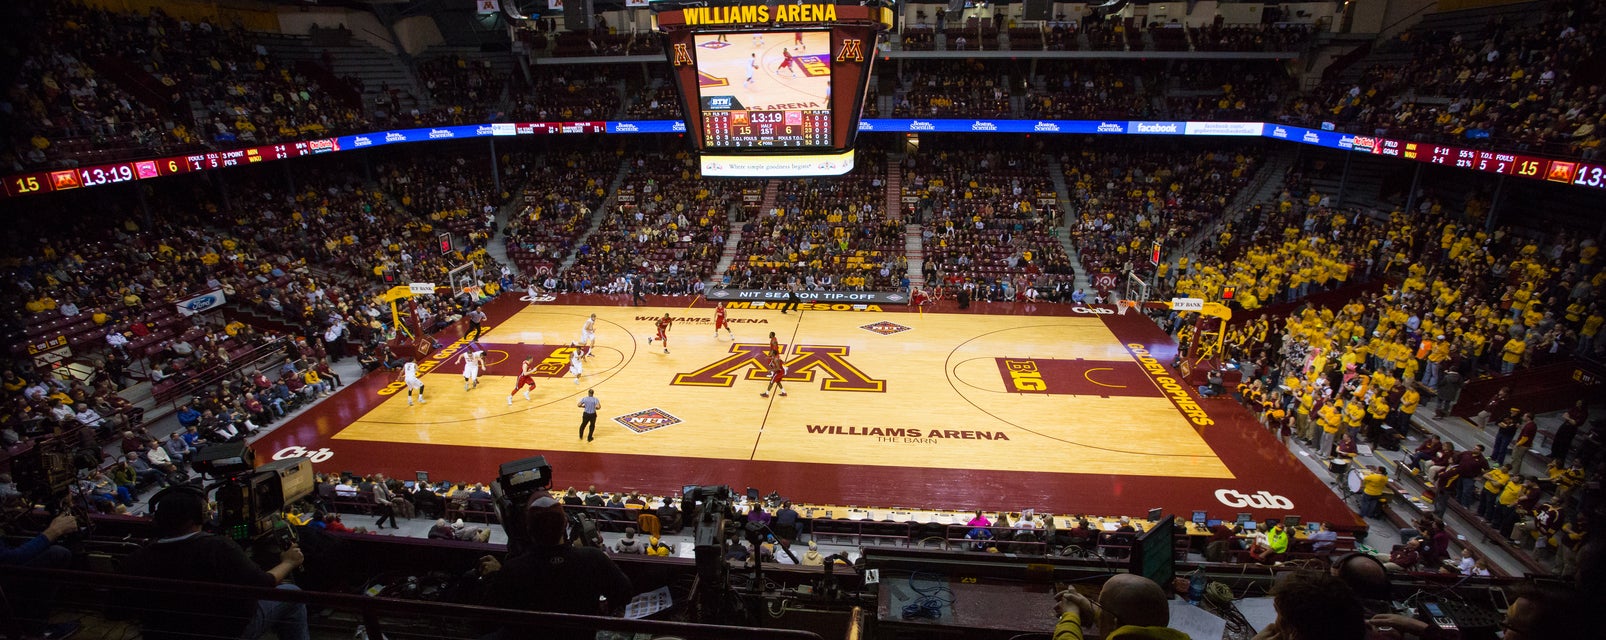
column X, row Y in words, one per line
column 1399, row 15
column 418, row 33
column 363, row 25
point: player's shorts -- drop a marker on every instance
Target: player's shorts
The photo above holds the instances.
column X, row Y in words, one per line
column 662, row 337
column 721, row 324
column 775, row 378
column 414, row 383
column 526, row 381
column 576, row 369
column 587, row 337
column 471, row 374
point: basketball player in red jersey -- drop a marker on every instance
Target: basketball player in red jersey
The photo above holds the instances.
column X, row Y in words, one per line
column 797, row 40
column 777, row 371
column 526, row 378
column 775, row 346
column 786, row 63
column 719, row 322
column 663, row 332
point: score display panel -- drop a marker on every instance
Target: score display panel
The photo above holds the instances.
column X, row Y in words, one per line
column 772, row 90
column 764, row 89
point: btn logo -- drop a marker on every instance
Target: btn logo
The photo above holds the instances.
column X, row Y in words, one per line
column 885, row 328
column 294, row 451
column 647, row 420
column 1256, row 500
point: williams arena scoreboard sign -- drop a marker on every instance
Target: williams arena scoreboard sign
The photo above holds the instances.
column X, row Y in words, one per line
column 770, row 81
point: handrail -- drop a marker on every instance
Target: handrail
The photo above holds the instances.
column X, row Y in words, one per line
column 371, row 608
column 216, row 374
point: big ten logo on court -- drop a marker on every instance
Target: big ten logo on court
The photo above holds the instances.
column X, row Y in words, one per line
column 427, row 365
column 1256, row 500
column 752, row 362
column 555, row 363
column 647, row 420
column 296, row 451
column 1025, row 376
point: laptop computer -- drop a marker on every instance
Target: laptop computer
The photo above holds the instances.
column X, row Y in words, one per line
column 1212, row 523
column 1199, row 517
column 1249, row 525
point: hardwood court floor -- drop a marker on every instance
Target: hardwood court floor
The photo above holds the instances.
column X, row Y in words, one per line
column 932, row 391
column 1002, row 406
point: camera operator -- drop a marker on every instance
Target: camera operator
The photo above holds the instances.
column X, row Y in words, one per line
column 184, row 552
column 552, row 575
column 35, row 598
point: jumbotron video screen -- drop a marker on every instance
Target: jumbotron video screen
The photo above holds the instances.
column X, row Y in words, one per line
column 765, row 89
column 771, row 90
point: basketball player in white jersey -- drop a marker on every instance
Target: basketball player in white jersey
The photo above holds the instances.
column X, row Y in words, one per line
column 473, row 362
column 576, row 363
column 588, row 335
column 410, row 378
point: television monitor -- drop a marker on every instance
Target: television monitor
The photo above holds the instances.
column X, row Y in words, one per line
column 1199, row 517
column 1291, row 521
column 765, row 89
column 1212, row 523
column 1154, row 554
column 1249, row 525
column 1154, row 514
column 1246, row 517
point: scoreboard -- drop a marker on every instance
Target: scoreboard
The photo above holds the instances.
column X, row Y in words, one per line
column 119, row 172
column 1571, row 172
column 771, row 89
column 795, row 128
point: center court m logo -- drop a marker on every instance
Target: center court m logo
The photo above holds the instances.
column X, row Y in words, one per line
column 1256, row 500
column 806, row 360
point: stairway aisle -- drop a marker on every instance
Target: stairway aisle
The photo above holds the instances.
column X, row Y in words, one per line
column 733, row 238
column 1262, row 189
column 894, row 190
column 1056, row 173
column 600, row 214
column 914, row 248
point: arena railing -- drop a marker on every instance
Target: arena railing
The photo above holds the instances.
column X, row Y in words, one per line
column 202, row 379
column 377, row 616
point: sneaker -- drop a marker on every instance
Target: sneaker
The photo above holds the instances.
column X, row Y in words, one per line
column 783, row 394
column 409, row 402
column 649, row 340
column 764, row 394
column 420, row 399
column 577, row 381
column 60, row 630
column 526, row 395
column 465, row 386
column 666, row 351
column 510, row 401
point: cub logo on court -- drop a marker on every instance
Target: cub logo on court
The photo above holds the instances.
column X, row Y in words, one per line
column 885, row 328
column 647, row 420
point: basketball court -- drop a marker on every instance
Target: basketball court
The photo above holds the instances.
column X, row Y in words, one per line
column 755, row 71
column 1061, row 408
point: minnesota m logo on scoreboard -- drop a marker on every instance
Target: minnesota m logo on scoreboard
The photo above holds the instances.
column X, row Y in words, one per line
column 828, row 360
column 852, row 49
